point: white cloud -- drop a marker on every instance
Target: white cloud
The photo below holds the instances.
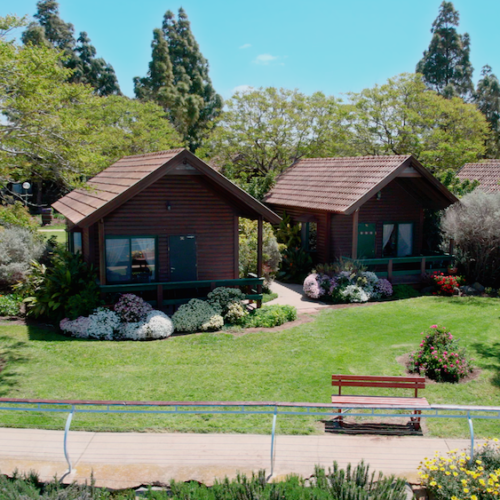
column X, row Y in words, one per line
column 243, row 88
column 265, row 59
column 246, row 46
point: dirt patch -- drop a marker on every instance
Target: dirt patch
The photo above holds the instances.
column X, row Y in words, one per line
column 404, row 361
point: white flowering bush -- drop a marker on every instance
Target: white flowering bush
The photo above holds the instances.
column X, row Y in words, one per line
column 157, row 325
column 132, row 308
column 228, row 303
column 197, row 315
column 346, row 286
column 236, row 313
column 103, row 324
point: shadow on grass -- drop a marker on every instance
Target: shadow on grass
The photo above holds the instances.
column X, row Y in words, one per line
column 479, row 302
column 10, row 358
column 490, row 353
column 47, row 333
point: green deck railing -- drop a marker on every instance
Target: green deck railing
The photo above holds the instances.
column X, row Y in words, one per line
column 427, row 263
column 161, row 287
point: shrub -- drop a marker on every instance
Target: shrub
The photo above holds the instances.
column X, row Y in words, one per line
column 197, row 315
column 103, row 324
column 156, row 325
column 439, row 357
column 271, row 256
column 295, row 265
column 18, row 247
column 66, row 289
column 453, row 476
column 270, row 316
column 10, row 305
column 404, row 292
column 473, row 225
column 223, row 300
column 490, row 291
column 446, row 284
column 132, row 309
column 17, row 215
column 236, row 314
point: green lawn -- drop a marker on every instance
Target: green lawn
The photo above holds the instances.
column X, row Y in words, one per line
column 287, row 365
column 48, row 232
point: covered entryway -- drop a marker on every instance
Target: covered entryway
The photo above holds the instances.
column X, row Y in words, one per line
column 182, row 258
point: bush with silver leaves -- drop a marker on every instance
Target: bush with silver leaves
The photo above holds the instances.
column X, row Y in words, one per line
column 197, row 315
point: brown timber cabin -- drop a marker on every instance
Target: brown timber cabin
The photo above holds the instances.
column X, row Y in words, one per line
column 162, row 222
column 366, row 208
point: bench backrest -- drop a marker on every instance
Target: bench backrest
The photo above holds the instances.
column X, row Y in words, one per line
column 374, row 381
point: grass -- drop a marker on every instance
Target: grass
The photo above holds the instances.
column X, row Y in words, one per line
column 287, row 365
column 48, row 232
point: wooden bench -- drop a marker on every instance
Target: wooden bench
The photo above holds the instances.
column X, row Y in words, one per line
column 415, row 383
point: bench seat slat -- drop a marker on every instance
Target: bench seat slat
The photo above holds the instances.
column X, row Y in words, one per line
column 347, row 401
column 392, row 385
column 377, row 379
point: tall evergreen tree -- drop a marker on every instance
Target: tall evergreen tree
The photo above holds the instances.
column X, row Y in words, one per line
column 445, row 65
column 487, row 99
column 52, row 31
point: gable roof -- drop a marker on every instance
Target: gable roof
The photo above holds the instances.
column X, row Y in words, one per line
column 487, row 172
column 131, row 174
column 342, row 185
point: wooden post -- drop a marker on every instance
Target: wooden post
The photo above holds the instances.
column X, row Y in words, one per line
column 389, row 270
column 422, row 267
column 260, row 240
column 236, row 245
column 451, row 247
column 102, row 253
column 355, row 222
column 328, row 238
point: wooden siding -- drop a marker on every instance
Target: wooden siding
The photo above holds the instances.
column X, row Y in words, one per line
column 395, row 205
column 195, row 209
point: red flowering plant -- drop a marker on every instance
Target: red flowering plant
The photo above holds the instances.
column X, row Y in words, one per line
column 446, row 284
column 439, row 357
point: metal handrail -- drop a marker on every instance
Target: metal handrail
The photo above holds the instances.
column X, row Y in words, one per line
column 273, row 408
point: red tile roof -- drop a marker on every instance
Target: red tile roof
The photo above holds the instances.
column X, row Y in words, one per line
column 129, row 175
column 332, row 184
column 487, row 173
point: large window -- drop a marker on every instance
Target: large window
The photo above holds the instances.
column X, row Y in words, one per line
column 75, row 242
column 131, row 259
column 397, row 239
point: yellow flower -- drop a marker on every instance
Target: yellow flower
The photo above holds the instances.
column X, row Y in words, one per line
column 452, row 467
column 496, row 440
column 464, row 481
column 433, row 483
column 466, row 490
column 448, row 473
column 479, row 462
column 473, row 497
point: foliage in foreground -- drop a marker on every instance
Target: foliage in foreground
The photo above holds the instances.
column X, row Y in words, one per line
column 270, row 316
column 456, row 477
column 353, row 483
column 404, row 292
column 16, row 214
column 440, row 357
column 10, row 305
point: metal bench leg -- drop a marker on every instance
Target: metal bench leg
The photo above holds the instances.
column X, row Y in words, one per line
column 416, row 420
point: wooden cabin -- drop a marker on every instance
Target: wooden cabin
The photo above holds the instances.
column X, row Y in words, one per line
column 487, row 173
column 162, row 221
column 364, row 208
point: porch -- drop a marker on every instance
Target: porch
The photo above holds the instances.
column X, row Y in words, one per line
column 406, row 270
column 251, row 286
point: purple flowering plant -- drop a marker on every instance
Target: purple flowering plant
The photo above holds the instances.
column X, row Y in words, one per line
column 132, row 309
column 439, row 357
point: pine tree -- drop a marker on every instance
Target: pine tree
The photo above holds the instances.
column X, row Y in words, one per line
column 158, row 85
column 487, row 99
column 445, row 65
column 52, row 31
column 198, row 103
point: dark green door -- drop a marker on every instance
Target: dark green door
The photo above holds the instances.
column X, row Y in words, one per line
column 366, row 241
column 182, row 254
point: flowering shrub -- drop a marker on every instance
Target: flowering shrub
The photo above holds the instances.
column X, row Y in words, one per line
column 132, row 308
column 439, row 357
column 454, row 477
column 236, row 314
column 228, row 303
column 446, row 284
column 346, row 286
column 197, row 315
column 9, row 305
column 103, row 324
column 156, row 325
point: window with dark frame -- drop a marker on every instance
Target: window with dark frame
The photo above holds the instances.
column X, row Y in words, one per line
column 397, row 239
column 131, row 259
column 75, row 242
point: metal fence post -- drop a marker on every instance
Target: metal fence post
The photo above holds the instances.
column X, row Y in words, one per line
column 272, row 440
column 66, row 430
column 471, row 429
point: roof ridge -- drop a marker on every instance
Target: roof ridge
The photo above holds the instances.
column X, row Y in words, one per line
column 157, row 153
column 338, row 158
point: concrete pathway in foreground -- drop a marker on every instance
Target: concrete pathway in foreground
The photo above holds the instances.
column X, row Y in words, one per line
column 127, row 460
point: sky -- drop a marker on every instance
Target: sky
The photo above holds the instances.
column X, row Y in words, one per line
column 333, row 46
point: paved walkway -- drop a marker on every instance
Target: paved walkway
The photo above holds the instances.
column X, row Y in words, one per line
column 126, row 460
column 291, row 294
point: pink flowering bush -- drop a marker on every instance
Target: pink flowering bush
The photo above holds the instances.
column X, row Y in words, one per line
column 384, row 287
column 132, row 309
column 439, row 357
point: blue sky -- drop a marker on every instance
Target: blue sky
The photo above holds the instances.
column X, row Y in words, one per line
column 334, row 46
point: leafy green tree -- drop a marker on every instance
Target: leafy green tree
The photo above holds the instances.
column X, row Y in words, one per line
column 404, row 117
column 198, row 103
column 263, row 132
column 51, row 31
column 61, row 132
column 445, row 65
column 487, row 99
